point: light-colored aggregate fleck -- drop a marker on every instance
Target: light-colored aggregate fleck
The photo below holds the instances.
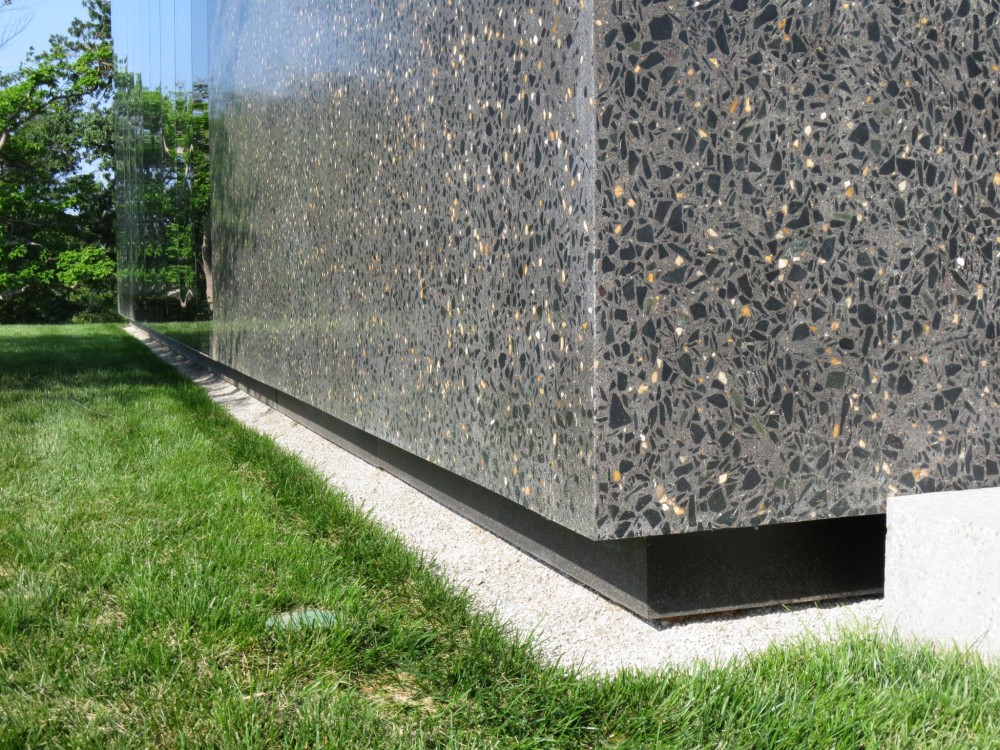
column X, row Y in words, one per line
column 567, row 621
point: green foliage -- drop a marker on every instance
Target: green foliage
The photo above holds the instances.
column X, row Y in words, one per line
column 164, row 195
column 86, row 265
column 56, row 210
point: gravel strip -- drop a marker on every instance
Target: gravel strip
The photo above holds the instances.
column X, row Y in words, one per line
column 567, row 621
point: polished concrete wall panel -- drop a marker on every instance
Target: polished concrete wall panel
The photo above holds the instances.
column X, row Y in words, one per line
column 641, row 267
column 404, row 198
column 797, row 234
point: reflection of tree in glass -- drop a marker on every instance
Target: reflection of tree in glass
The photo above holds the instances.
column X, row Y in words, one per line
column 167, row 187
column 185, row 137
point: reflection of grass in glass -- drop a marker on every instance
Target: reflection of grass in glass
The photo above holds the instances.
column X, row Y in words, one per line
column 195, row 333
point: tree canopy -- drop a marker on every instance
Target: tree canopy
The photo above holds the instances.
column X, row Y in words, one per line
column 56, row 209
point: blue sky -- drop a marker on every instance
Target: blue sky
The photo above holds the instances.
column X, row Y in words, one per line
column 44, row 18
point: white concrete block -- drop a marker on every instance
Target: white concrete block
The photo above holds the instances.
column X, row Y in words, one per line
column 942, row 569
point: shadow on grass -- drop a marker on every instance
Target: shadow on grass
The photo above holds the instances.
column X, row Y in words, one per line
column 42, row 358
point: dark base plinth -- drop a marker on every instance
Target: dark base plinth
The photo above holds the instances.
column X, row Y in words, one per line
column 655, row 577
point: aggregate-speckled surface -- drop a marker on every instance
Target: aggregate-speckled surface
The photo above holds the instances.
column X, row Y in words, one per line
column 797, row 292
column 403, row 194
column 644, row 267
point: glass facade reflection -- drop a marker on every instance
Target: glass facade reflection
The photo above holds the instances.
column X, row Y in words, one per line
column 162, row 163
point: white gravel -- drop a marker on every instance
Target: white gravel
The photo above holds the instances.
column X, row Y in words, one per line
column 567, row 621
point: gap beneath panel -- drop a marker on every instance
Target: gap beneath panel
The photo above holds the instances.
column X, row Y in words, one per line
column 654, row 577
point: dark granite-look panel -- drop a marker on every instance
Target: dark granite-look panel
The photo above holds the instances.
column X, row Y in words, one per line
column 644, row 267
column 797, row 284
column 403, row 193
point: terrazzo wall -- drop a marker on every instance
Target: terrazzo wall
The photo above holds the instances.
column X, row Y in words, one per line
column 797, row 283
column 643, row 267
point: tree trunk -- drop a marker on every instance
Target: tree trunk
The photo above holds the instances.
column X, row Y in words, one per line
column 206, row 263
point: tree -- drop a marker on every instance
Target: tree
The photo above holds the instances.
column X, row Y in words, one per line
column 12, row 23
column 56, row 208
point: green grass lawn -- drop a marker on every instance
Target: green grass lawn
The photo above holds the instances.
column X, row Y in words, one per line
column 146, row 538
